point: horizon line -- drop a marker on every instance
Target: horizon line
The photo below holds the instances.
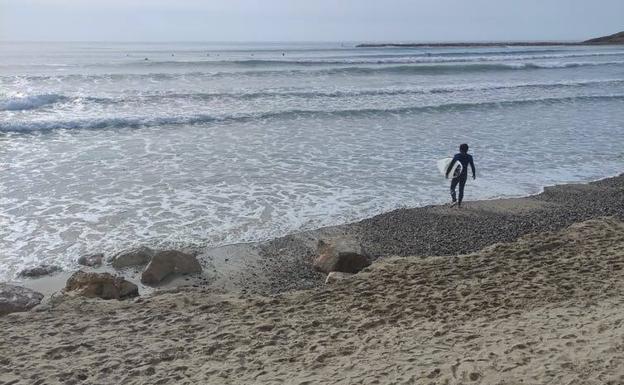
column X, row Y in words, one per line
column 300, row 41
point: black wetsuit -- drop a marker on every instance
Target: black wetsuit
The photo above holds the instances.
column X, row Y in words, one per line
column 465, row 160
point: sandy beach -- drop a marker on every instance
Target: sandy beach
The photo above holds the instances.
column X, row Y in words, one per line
column 545, row 308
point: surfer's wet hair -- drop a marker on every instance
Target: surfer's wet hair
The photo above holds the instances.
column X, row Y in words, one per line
column 463, row 148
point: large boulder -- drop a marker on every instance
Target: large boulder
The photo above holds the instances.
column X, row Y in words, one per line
column 100, row 285
column 341, row 254
column 169, row 262
column 16, row 299
column 39, row 271
column 134, row 257
column 91, row 260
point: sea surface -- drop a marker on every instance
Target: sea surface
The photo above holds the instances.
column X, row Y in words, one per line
column 106, row 145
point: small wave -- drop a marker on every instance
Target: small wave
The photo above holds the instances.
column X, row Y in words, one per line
column 346, row 93
column 402, row 59
column 33, row 102
column 565, row 64
column 430, row 69
column 429, row 52
column 37, row 101
column 118, row 123
column 276, row 63
column 394, row 91
column 29, row 102
column 107, row 123
column 472, row 67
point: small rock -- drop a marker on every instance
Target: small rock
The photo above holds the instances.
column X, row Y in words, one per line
column 434, row 373
column 17, row 299
column 169, row 262
column 133, row 257
column 101, row 285
column 39, row 271
column 341, row 254
column 42, row 307
column 267, row 327
column 91, row 260
column 336, row 276
column 474, row 376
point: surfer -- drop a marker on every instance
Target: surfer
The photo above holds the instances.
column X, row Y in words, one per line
column 464, row 159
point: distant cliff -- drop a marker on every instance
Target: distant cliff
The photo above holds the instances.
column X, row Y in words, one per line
column 616, row 38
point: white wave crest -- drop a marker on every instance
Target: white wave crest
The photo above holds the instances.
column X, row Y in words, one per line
column 29, row 102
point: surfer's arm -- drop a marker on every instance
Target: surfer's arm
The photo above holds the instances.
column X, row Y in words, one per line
column 474, row 175
column 450, row 166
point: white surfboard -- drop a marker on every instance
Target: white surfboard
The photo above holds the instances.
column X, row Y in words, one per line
column 455, row 171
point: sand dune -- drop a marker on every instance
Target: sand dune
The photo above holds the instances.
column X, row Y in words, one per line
column 546, row 309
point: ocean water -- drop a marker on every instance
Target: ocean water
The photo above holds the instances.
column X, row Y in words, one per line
column 106, row 145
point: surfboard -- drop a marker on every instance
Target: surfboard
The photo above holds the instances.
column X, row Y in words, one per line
column 455, row 171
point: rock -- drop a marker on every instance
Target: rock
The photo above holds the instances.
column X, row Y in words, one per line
column 91, row 260
column 169, row 262
column 266, row 327
column 101, row 285
column 336, row 276
column 39, row 271
column 134, row 257
column 341, row 254
column 42, row 307
column 16, row 299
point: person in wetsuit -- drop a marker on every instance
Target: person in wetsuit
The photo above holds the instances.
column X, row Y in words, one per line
column 465, row 159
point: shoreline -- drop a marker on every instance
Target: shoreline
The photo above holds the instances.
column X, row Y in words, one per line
column 285, row 264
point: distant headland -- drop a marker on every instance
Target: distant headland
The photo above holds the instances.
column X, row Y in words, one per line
column 616, row 38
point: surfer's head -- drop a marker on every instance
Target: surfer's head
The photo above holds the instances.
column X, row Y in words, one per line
column 463, row 148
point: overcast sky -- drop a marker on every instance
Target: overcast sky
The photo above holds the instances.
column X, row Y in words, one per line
column 308, row 20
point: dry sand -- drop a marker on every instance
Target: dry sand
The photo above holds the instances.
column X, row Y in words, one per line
column 545, row 309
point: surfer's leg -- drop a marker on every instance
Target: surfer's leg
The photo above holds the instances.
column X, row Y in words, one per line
column 453, row 186
column 462, row 182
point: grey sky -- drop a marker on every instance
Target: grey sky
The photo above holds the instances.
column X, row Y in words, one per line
column 308, row 20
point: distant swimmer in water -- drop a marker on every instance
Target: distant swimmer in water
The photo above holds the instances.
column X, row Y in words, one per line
column 464, row 159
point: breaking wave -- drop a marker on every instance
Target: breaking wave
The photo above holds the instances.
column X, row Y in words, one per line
column 143, row 122
column 31, row 102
